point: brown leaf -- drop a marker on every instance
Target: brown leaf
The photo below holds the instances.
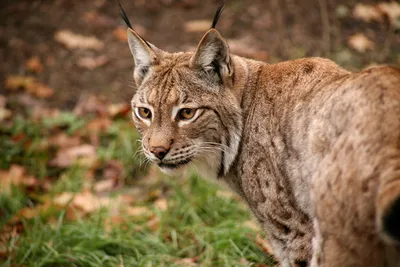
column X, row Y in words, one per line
column 360, row 43
column 4, row 113
column 63, row 199
column 92, row 62
column 121, row 109
column 86, row 202
column 120, row 34
column 113, row 170
column 104, row 186
column 197, row 25
column 84, row 155
column 90, row 104
column 137, row 211
column 34, row 65
column 16, row 176
column 62, row 140
column 30, row 85
column 161, row 204
column 186, row 262
column 392, row 11
column 77, row 41
column 97, row 19
column 266, row 247
column 367, row 13
column 15, row 82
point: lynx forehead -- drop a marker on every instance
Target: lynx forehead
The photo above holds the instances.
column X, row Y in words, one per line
column 312, row 148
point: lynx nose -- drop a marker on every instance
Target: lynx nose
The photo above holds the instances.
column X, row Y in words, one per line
column 159, row 151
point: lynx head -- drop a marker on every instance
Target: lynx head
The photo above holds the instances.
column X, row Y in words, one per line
column 184, row 107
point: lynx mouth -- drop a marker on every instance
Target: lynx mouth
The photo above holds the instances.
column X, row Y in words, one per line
column 174, row 165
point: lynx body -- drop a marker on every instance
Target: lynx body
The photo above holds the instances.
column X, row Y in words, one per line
column 312, row 148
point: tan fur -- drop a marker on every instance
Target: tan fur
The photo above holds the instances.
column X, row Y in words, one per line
column 312, row 148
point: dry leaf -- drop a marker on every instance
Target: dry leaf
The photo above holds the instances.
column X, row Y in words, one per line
column 266, row 247
column 360, row 43
column 84, row 155
column 90, row 104
column 34, row 65
column 4, row 113
column 186, row 262
column 29, row 84
column 153, row 224
column 137, row 211
column 120, row 109
column 63, row 199
column 104, row 186
column 92, row 62
column 86, row 202
column 392, row 11
column 62, row 140
column 113, row 170
column 120, row 34
column 98, row 19
column 161, row 204
column 197, row 25
column 16, row 176
column 367, row 13
column 74, row 41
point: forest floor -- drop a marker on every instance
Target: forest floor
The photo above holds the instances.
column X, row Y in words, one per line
column 74, row 187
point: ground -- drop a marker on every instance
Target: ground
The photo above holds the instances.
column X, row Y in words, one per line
column 74, row 189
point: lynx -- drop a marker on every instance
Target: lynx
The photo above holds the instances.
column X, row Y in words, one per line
column 312, row 148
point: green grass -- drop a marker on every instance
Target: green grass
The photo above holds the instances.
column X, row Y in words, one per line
column 198, row 223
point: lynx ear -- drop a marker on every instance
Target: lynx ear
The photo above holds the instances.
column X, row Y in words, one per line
column 212, row 54
column 143, row 53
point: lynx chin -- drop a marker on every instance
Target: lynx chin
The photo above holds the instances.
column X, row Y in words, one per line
column 312, row 148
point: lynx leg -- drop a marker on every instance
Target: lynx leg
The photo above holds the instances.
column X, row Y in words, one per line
column 343, row 195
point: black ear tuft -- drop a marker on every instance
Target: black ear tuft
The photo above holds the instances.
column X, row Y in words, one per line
column 128, row 23
column 218, row 14
column 124, row 16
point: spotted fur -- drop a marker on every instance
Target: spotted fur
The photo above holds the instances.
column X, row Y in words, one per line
column 312, row 148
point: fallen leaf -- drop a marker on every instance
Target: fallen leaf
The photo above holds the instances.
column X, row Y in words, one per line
column 392, row 11
column 63, row 199
column 34, row 65
column 92, row 62
column 97, row 125
column 197, row 25
column 86, row 202
column 16, row 176
column 153, row 224
column 367, row 13
column 137, row 211
column 97, row 19
column 120, row 109
column 104, row 186
column 4, row 113
column 90, row 104
column 77, row 41
column 84, row 155
column 360, row 43
column 15, row 82
column 120, row 34
column 113, row 170
column 186, row 262
column 62, row 140
column 161, row 204
column 378, row 12
column 263, row 243
column 30, row 85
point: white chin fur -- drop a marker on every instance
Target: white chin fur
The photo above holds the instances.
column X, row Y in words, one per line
column 175, row 171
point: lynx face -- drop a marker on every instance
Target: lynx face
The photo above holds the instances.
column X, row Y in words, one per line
column 184, row 108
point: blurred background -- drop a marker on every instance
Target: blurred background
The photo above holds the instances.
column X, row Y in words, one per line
column 75, row 189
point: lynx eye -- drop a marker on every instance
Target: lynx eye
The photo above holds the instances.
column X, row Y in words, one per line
column 144, row 113
column 186, row 113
